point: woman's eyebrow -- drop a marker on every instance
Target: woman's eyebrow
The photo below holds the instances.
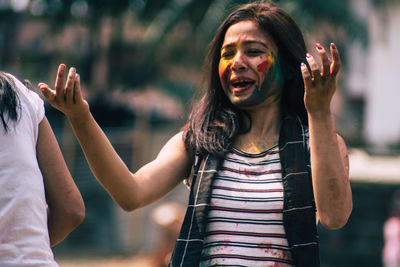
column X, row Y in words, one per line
column 227, row 46
column 230, row 45
column 257, row 42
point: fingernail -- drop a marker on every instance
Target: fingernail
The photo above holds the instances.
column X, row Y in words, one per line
column 333, row 45
column 308, row 55
column 319, row 46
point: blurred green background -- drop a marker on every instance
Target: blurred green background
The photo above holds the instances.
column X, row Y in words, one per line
column 140, row 63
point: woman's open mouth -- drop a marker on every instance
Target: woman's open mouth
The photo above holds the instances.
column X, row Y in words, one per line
column 239, row 86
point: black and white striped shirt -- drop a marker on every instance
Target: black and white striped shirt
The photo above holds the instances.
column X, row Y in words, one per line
column 244, row 226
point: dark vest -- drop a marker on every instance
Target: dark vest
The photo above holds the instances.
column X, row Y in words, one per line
column 298, row 208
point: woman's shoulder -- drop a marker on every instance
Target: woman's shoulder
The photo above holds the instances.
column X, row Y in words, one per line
column 27, row 96
column 25, row 89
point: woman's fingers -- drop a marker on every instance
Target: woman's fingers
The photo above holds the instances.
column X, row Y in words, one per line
column 69, row 87
column 325, row 61
column 335, row 66
column 47, row 92
column 320, row 81
column 77, row 88
column 59, row 85
column 65, row 92
column 315, row 70
column 306, row 76
column 328, row 67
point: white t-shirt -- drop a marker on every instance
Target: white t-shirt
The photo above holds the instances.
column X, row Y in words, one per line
column 24, row 238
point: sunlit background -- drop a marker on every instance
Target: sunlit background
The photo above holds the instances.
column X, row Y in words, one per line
column 140, row 62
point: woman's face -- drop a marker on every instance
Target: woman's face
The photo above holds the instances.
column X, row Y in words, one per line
column 249, row 67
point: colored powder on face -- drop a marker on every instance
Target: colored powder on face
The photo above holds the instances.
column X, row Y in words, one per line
column 269, row 71
column 224, row 76
column 271, row 85
column 279, row 78
column 264, row 66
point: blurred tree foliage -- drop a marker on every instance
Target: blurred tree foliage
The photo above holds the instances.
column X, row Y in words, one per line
column 172, row 39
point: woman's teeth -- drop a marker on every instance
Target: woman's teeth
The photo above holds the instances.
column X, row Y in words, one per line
column 242, row 84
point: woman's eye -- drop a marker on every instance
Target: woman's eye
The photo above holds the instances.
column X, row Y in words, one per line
column 226, row 55
column 255, row 52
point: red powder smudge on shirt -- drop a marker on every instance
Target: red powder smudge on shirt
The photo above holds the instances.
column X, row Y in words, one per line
column 264, row 245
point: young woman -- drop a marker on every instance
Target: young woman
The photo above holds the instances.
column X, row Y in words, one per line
column 39, row 201
column 245, row 150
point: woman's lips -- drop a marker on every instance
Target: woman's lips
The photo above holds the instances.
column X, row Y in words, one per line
column 240, row 86
column 240, row 90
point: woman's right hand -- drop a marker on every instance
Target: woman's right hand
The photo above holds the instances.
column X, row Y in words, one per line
column 67, row 97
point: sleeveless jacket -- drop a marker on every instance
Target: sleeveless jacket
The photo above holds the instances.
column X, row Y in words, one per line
column 298, row 211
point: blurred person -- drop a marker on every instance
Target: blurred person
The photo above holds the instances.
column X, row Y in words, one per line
column 168, row 217
column 261, row 127
column 39, row 201
column 391, row 234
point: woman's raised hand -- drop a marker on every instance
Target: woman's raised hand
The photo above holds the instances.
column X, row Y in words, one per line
column 320, row 83
column 67, row 97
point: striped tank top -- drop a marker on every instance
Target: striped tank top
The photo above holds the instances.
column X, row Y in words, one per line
column 245, row 226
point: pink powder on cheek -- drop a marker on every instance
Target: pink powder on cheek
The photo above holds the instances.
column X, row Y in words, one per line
column 264, row 66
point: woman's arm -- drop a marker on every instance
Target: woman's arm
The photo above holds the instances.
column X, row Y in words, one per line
column 129, row 190
column 329, row 158
column 66, row 209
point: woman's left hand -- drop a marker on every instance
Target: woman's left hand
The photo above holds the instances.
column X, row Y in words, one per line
column 320, row 83
column 328, row 152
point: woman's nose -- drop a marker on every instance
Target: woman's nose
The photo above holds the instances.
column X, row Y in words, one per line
column 239, row 63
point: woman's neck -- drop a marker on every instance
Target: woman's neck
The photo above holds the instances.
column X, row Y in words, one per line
column 264, row 131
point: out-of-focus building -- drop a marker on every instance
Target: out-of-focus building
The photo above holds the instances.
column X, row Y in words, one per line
column 373, row 73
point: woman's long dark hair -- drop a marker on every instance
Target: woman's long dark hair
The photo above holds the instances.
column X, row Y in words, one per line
column 9, row 102
column 214, row 120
